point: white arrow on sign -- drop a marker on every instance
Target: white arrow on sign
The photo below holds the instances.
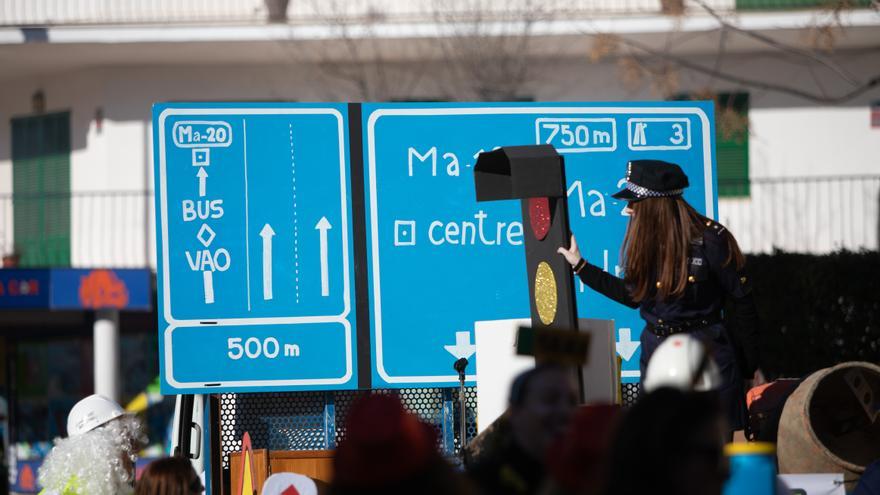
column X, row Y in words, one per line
column 323, row 226
column 626, row 347
column 208, row 279
column 463, row 347
column 203, row 181
column 267, row 233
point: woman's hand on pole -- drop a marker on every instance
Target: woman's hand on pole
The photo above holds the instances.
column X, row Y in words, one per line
column 572, row 254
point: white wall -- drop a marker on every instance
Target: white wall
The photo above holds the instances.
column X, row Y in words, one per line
column 789, row 138
column 813, row 141
column 107, row 230
column 819, row 215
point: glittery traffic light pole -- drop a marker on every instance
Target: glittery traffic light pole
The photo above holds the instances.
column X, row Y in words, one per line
column 536, row 176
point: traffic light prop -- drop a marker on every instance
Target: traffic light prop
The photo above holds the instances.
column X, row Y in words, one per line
column 536, row 176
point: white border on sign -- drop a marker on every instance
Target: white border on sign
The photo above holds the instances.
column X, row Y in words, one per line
column 629, row 144
column 163, row 204
column 219, row 384
column 374, row 216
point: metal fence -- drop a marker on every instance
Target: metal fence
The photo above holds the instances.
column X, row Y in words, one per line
column 106, row 228
column 804, row 214
column 316, row 420
column 61, row 12
column 801, row 214
column 796, row 4
column 84, row 12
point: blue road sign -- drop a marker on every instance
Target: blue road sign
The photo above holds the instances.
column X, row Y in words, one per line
column 439, row 261
column 254, row 247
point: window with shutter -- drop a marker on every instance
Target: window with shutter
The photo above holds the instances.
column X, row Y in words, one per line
column 732, row 144
column 41, row 189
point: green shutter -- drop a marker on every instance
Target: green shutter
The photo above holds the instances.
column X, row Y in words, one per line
column 732, row 144
column 41, row 189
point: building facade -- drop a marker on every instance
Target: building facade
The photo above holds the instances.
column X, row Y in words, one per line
column 797, row 84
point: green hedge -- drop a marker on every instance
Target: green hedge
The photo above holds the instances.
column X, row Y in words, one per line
column 816, row 311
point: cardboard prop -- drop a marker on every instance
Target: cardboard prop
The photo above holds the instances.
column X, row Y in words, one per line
column 536, row 176
column 247, row 482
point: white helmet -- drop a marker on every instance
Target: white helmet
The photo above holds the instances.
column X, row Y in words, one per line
column 682, row 362
column 90, row 413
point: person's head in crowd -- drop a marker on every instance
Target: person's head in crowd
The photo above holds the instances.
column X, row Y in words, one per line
column 577, row 463
column 99, row 453
column 169, row 476
column 670, row 442
column 390, row 451
column 540, row 406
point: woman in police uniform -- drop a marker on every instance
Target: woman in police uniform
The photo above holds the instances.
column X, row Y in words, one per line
column 679, row 267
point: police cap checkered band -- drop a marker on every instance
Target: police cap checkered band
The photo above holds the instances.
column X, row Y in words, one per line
column 652, row 179
column 644, row 192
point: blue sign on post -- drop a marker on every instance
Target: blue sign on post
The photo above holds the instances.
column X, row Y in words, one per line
column 255, row 247
column 439, row 261
column 254, row 217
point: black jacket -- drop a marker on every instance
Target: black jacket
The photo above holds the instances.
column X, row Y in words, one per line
column 711, row 280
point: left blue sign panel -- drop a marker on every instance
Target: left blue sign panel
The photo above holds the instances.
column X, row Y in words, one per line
column 254, row 237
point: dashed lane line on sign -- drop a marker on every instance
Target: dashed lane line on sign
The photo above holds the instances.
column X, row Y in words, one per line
column 247, row 228
column 295, row 219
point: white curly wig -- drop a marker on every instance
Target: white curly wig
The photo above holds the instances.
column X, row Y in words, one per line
column 96, row 459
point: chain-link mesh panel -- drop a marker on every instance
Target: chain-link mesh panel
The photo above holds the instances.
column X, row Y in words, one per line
column 230, row 438
column 276, row 421
column 629, row 393
column 426, row 403
column 343, row 401
column 296, row 420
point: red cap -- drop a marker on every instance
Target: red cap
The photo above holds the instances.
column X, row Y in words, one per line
column 578, row 458
column 383, row 444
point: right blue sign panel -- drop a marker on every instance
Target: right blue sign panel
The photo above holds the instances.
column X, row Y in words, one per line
column 439, row 261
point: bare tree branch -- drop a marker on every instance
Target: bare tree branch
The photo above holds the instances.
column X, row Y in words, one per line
column 722, row 46
column 817, row 80
column 364, row 63
column 846, row 76
column 754, row 83
column 492, row 63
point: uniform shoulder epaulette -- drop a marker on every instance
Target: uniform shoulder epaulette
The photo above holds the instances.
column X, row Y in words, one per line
column 715, row 227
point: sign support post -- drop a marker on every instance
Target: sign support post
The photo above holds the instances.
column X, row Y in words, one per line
column 184, row 427
column 460, row 366
column 106, row 350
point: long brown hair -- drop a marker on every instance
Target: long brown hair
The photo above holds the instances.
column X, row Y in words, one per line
column 169, row 476
column 657, row 245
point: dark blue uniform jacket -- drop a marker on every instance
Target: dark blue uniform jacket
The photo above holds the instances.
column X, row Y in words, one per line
column 712, row 279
